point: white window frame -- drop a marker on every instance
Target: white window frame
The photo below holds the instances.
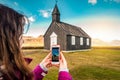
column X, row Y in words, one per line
column 81, row 40
column 88, row 41
column 73, row 40
column 53, row 39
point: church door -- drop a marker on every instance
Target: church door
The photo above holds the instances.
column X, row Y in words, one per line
column 53, row 39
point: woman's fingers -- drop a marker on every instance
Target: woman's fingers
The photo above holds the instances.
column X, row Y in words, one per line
column 48, row 56
column 62, row 58
column 56, row 65
column 63, row 63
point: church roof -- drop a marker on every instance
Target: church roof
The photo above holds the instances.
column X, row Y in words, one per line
column 68, row 28
column 71, row 29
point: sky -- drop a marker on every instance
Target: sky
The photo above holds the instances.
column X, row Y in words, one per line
column 100, row 19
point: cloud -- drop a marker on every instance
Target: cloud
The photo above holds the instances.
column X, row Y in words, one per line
column 31, row 19
column 15, row 3
column 93, row 2
column 45, row 13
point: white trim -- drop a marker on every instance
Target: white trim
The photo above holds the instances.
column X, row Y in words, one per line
column 81, row 40
column 64, row 69
column 53, row 39
column 88, row 41
column 73, row 40
column 43, row 74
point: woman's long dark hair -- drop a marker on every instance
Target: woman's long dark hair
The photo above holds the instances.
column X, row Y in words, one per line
column 11, row 28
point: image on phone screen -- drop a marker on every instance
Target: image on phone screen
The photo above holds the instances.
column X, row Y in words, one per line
column 55, row 54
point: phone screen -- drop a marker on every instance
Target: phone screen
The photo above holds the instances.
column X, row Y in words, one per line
column 55, row 54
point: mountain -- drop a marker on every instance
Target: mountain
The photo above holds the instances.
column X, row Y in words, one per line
column 115, row 43
column 30, row 41
column 98, row 42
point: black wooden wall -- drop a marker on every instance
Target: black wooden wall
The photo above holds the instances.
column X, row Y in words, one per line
column 61, row 37
column 77, row 45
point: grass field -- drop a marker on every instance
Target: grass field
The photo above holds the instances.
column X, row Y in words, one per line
column 96, row 64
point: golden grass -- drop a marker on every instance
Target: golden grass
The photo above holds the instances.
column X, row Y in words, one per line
column 95, row 64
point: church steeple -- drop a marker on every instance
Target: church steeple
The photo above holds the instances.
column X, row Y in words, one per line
column 56, row 14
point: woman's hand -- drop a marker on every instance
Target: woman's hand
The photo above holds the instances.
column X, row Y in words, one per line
column 46, row 62
column 63, row 62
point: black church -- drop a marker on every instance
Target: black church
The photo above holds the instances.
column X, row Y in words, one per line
column 68, row 36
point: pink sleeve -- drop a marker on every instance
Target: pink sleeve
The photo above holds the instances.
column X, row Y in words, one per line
column 63, row 75
column 39, row 73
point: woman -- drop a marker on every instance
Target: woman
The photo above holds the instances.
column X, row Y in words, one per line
column 12, row 64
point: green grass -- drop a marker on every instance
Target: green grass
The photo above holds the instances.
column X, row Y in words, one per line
column 96, row 64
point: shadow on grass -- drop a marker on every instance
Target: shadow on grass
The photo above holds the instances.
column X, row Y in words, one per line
column 94, row 73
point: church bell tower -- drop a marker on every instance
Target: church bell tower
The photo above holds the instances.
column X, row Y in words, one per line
column 56, row 14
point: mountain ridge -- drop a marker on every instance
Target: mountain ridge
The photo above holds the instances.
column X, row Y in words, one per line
column 95, row 42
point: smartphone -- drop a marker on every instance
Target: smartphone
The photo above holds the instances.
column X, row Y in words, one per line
column 55, row 54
